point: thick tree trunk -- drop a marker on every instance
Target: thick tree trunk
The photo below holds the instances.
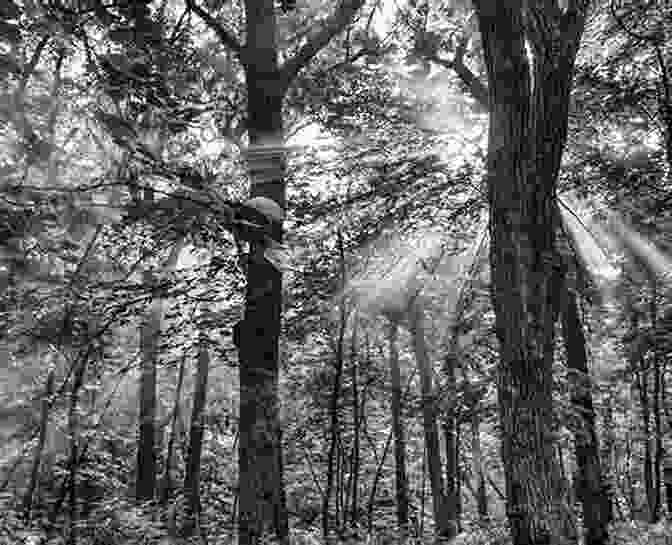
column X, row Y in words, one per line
column 192, row 476
column 445, row 526
column 262, row 506
column 529, row 51
column 401, row 481
column 589, row 485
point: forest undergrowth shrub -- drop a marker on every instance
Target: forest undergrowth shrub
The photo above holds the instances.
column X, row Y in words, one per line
column 118, row 521
column 641, row 533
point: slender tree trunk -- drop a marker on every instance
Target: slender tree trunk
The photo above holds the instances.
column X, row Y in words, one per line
column 149, row 340
column 401, row 481
column 643, row 385
column 356, row 419
column 376, row 481
column 333, row 405
column 39, row 448
column 656, row 407
column 445, row 526
column 75, row 456
column 192, row 476
column 451, row 432
column 589, row 485
column 529, row 51
column 167, row 482
column 477, row 463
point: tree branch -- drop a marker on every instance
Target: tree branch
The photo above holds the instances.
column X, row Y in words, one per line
column 333, row 25
column 224, row 35
column 476, row 87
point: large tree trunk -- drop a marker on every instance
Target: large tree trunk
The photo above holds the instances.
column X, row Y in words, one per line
column 262, row 503
column 192, row 476
column 529, row 51
column 401, row 481
column 444, row 524
column 590, row 489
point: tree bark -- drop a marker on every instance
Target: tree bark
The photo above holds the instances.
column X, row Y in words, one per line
column 451, row 433
column 356, row 419
column 192, row 474
column 656, row 407
column 149, row 341
column 529, row 51
column 477, row 464
column 445, row 526
column 167, row 482
column 589, row 485
column 401, row 481
column 39, row 448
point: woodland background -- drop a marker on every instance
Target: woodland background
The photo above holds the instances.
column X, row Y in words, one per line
column 128, row 247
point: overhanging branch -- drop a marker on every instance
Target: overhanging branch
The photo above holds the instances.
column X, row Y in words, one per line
column 213, row 24
column 332, row 26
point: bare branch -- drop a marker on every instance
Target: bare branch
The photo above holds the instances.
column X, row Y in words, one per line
column 213, row 24
column 332, row 26
column 476, row 87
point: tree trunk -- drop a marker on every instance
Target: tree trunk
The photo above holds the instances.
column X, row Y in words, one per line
column 150, row 334
column 451, row 433
column 529, row 52
column 589, row 485
column 445, row 526
column 167, row 482
column 656, row 407
column 39, row 448
column 333, row 407
column 401, row 481
column 356, row 419
column 149, row 341
column 262, row 506
column 642, row 374
column 192, row 474
column 477, row 464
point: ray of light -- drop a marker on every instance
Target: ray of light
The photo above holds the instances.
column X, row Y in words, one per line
column 653, row 259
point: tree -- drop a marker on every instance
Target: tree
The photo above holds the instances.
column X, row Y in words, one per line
column 192, row 475
column 529, row 53
column 262, row 503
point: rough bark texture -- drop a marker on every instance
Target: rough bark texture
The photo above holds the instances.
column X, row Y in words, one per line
column 401, row 481
column 589, row 481
column 529, row 51
column 445, row 526
column 192, row 476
